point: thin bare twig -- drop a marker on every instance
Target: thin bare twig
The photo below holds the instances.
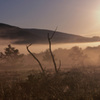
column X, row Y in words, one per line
column 52, row 56
column 53, row 33
column 59, row 65
column 35, row 57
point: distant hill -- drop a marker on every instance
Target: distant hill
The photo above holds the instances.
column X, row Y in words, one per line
column 39, row 36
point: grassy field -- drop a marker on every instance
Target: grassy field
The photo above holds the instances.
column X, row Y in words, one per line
column 64, row 78
column 72, row 84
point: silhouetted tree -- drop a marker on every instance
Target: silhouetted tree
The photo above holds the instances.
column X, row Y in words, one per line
column 76, row 57
column 11, row 55
column 47, row 56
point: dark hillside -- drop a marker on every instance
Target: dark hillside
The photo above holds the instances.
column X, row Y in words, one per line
column 38, row 36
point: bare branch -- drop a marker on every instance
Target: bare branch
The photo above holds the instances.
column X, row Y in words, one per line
column 29, row 45
column 35, row 57
column 59, row 65
column 53, row 33
column 52, row 56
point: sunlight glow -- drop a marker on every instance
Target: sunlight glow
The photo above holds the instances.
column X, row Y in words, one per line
column 97, row 16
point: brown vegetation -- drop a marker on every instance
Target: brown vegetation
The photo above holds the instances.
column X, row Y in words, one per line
column 78, row 78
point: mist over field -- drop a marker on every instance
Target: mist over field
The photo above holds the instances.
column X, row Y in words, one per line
column 48, row 65
column 49, row 49
column 70, row 58
column 78, row 74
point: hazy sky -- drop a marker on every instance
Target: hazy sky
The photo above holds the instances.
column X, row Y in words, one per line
column 71, row 16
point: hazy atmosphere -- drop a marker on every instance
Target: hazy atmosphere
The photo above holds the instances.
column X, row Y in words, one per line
column 49, row 50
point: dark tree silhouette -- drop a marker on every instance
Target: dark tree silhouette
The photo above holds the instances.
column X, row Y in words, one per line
column 11, row 55
column 47, row 56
